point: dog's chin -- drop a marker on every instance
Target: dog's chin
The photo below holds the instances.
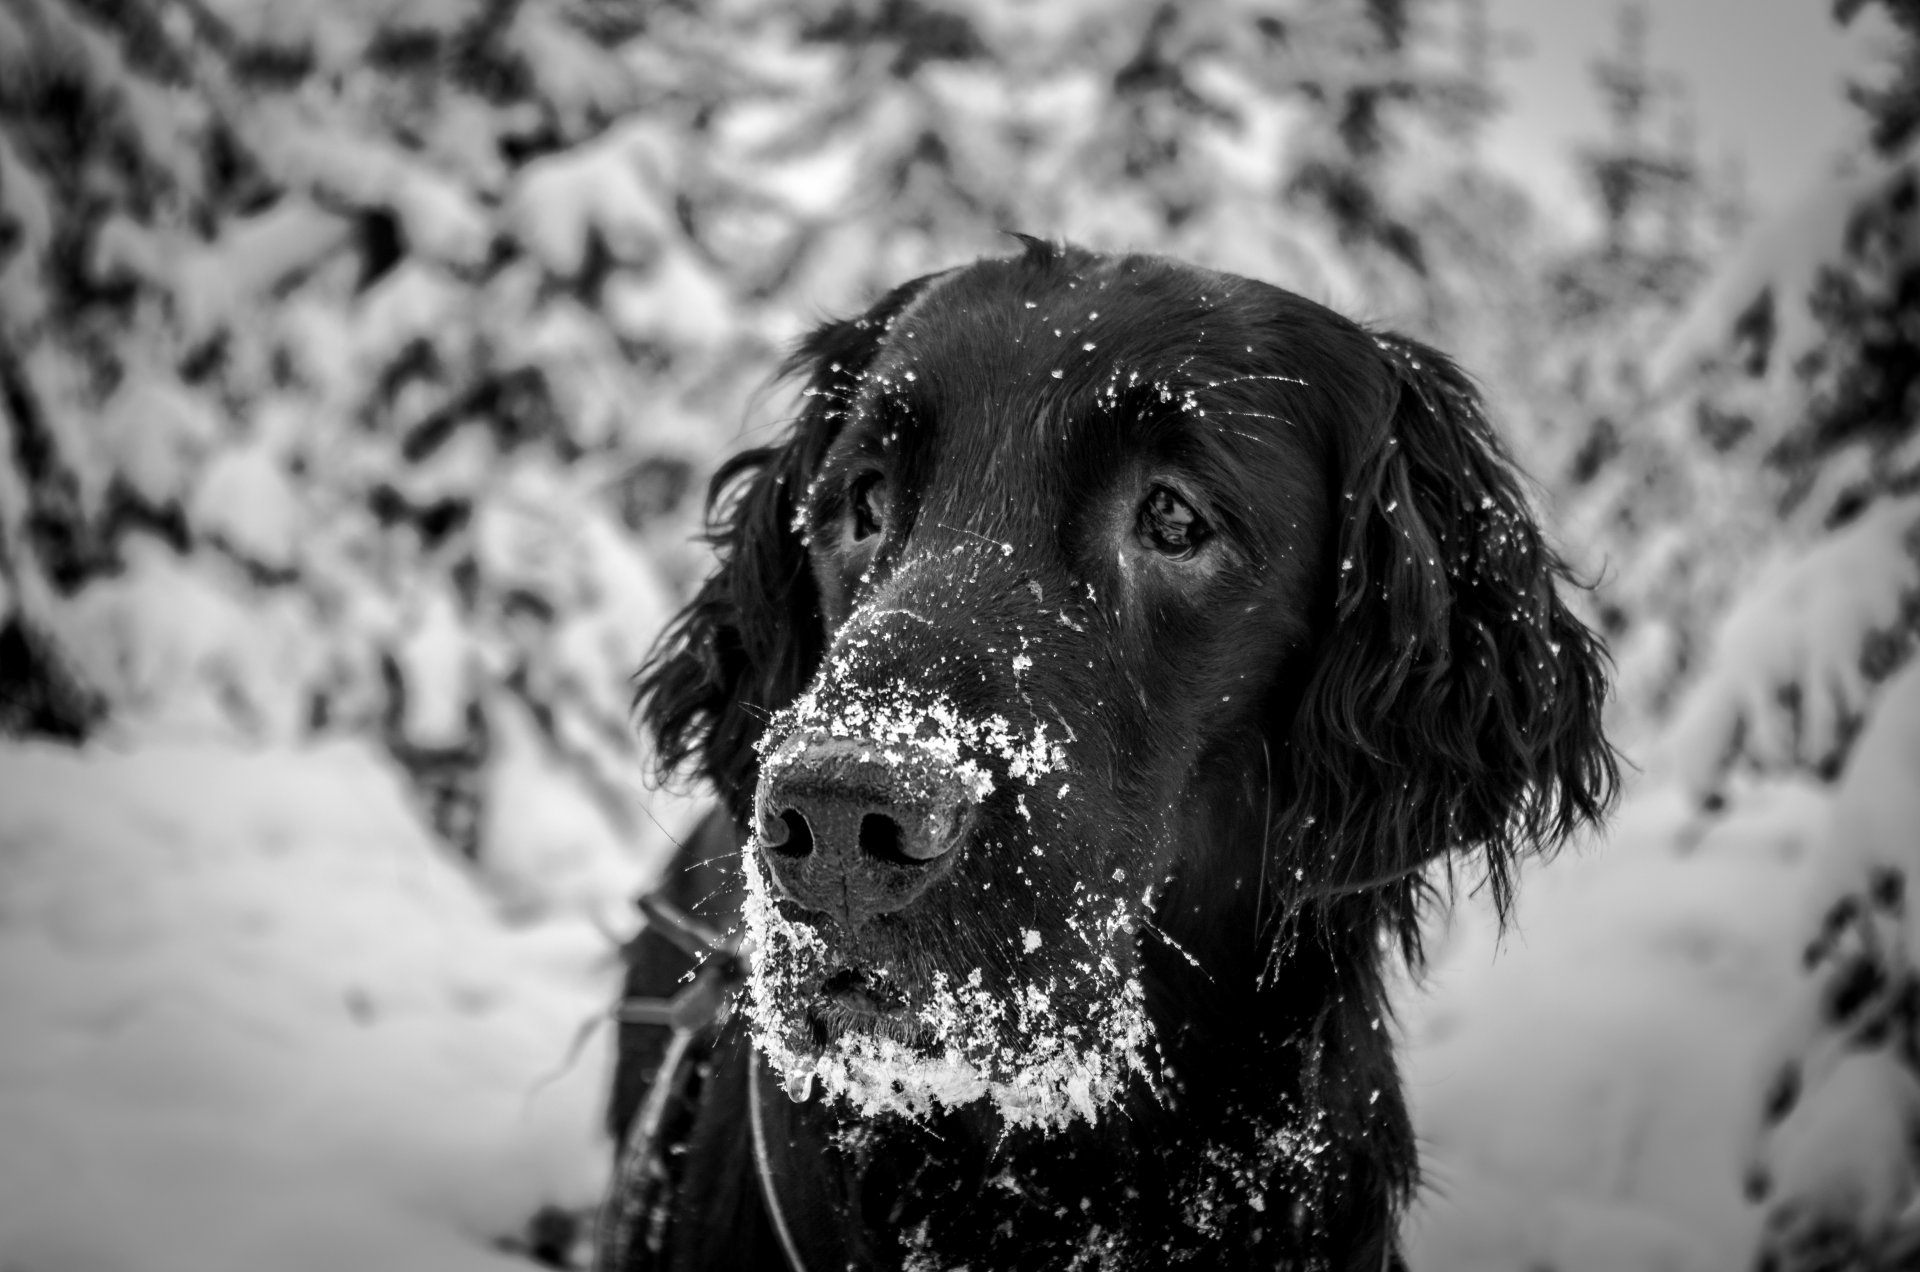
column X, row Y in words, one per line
column 851, row 1002
column 865, row 1047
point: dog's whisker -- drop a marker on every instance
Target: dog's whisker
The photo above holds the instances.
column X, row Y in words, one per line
column 661, row 827
column 1252, row 437
column 1253, row 378
column 996, row 543
column 1175, row 946
column 1350, row 885
column 1266, row 840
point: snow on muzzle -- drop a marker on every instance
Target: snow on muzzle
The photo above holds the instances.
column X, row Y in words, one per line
column 855, row 827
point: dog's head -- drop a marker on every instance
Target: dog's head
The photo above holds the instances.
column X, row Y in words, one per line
column 1082, row 578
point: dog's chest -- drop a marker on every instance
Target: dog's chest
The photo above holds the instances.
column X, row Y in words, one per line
column 1088, row 1201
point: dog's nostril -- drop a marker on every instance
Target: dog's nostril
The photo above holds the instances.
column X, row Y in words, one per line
column 884, row 838
column 798, row 839
column 880, row 837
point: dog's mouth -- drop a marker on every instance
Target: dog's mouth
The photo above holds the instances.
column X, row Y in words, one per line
column 855, row 1001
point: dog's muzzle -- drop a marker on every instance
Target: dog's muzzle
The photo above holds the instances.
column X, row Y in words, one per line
column 854, row 827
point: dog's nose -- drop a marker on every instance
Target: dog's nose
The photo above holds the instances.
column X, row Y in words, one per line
column 856, row 827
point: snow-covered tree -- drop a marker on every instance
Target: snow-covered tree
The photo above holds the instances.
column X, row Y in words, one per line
column 1769, row 619
column 347, row 351
column 359, row 360
column 1795, row 363
column 849, row 144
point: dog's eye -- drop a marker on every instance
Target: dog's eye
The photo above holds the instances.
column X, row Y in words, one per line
column 1168, row 523
column 869, row 502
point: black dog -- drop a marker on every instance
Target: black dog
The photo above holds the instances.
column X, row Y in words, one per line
column 1095, row 666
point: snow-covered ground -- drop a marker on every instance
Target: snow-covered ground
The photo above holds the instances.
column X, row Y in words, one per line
column 1590, row 1093
column 1586, row 1090
column 252, row 1018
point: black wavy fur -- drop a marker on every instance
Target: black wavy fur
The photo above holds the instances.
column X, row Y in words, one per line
column 1426, row 694
column 1458, row 703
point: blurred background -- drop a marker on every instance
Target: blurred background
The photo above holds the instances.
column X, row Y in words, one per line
column 361, row 366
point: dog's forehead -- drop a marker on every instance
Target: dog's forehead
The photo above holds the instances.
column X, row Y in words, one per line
column 1028, row 370
column 1028, row 324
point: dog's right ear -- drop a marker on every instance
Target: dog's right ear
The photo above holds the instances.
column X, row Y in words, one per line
column 752, row 636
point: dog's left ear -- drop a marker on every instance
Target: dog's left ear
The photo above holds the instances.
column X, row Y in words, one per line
column 1456, row 703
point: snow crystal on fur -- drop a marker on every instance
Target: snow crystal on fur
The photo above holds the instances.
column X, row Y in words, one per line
column 1013, row 1049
